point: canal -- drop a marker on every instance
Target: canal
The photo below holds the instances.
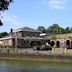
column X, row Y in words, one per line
column 34, row 66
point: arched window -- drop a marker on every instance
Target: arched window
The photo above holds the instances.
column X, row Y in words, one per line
column 68, row 42
column 57, row 44
column 52, row 43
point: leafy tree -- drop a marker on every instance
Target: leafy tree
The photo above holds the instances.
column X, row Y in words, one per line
column 3, row 34
column 54, row 29
column 42, row 29
column 71, row 29
column 62, row 30
column 67, row 30
column 4, row 4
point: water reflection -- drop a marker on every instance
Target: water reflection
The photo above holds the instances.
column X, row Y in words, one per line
column 24, row 66
column 33, row 70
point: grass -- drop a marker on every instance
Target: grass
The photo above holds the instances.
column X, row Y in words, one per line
column 31, row 63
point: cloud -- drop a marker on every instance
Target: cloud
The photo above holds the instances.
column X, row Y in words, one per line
column 10, row 18
column 57, row 4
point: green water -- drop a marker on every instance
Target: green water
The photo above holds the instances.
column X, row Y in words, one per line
column 34, row 66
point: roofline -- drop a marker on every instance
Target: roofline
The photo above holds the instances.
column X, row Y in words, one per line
column 17, row 30
column 25, row 38
column 26, row 30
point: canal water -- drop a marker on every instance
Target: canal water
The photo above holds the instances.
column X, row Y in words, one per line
column 34, row 66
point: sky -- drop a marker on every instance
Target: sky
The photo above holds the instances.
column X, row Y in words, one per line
column 34, row 13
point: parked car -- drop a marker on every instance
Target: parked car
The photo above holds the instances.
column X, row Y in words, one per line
column 42, row 47
column 36, row 48
column 48, row 47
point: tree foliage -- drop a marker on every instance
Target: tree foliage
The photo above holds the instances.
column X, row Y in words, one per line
column 55, row 29
column 67, row 29
column 3, row 34
column 4, row 4
column 41, row 28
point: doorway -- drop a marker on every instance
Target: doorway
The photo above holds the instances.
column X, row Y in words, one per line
column 58, row 44
column 68, row 42
column 52, row 43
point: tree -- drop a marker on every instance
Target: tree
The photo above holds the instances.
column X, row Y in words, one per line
column 62, row 30
column 71, row 29
column 4, row 4
column 54, row 29
column 3, row 34
column 42, row 29
column 67, row 30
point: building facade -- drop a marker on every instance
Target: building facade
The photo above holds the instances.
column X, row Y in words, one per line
column 23, row 38
column 62, row 40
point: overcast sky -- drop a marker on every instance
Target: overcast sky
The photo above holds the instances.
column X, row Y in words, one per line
column 34, row 13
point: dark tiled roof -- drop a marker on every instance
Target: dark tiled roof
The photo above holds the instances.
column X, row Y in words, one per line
column 27, row 29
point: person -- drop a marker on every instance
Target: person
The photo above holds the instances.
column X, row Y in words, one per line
column 62, row 43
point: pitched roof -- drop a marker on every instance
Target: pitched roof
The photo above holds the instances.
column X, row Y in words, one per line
column 27, row 29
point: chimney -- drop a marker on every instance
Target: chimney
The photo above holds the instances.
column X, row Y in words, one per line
column 11, row 31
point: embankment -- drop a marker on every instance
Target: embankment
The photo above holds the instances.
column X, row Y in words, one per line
column 40, row 57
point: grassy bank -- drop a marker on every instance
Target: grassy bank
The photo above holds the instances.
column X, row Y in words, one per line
column 33, row 57
column 37, row 63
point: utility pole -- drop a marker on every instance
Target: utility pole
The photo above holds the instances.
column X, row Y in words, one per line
column 15, row 41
